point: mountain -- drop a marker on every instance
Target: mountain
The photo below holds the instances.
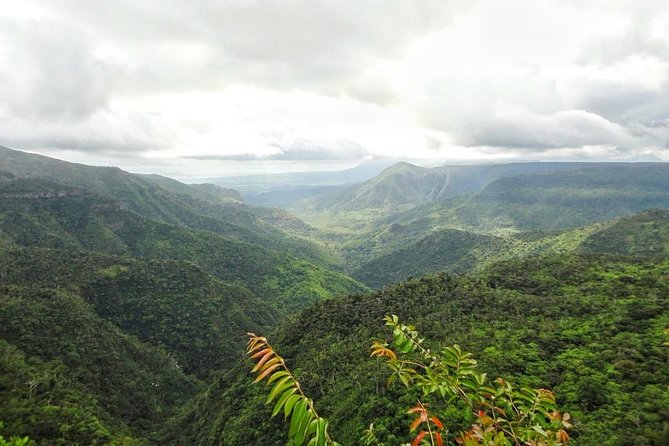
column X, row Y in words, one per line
column 567, row 198
column 641, row 235
column 390, row 215
column 517, row 196
column 124, row 299
column 205, row 206
column 449, row 250
column 121, row 294
column 403, row 186
column 39, row 213
column 590, row 329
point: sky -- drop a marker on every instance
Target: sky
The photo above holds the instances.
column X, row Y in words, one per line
column 203, row 88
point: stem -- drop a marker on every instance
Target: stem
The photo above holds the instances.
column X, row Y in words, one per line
column 310, row 403
column 427, row 421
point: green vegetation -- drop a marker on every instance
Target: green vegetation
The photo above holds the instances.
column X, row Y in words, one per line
column 202, row 206
column 443, row 250
column 497, row 413
column 395, row 255
column 38, row 213
column 589, row 329
column 69, row 377
column 124, row 300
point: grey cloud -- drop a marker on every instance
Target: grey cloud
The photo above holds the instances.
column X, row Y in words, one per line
column 315, row 45
column 629, row 103
column 49, row 72
column 300, row 150
column 102, row 133
column 637, row 37
column 63, row 68
column 571, row 128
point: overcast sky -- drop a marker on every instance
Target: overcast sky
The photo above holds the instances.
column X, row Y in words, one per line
column 197, row 88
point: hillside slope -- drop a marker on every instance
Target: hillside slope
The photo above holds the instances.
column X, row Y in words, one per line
column 204, row 206
column 175, row 306
column 404, row 186
column 38, row 213
column 69, row 377
column 641, row 235
column 549, row 201
column 448, row 250
column 591, row 330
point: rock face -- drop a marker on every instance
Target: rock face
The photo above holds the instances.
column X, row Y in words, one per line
column 46, row 194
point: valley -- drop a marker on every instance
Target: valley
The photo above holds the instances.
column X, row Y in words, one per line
column 125, row 298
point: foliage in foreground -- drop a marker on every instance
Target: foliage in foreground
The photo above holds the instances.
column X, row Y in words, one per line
column 590, row 329
column 500, row 413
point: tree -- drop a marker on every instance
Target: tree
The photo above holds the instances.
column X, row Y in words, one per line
column 495, row 412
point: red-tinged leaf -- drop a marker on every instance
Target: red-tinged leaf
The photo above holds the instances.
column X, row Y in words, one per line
column 416, row 409
column 256, row 343
column 272, row 361
column 261, row 353
column 382, row 351
column 262, row 361
column 416, row 441
column 266, row 372
column 415, row 424
column 440, row 441
column 437, row 422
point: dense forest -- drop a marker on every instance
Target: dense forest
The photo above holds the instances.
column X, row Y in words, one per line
column 125, row 299
column 590, row 329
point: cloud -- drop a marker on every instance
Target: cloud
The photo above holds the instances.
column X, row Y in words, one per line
column 224, row 79
column 520, row 129
column 106, row 131
column 312, row 45
column 298, row 150
column 48, row 72
column 575, row 76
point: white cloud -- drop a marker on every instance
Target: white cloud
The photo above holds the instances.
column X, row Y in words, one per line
column 306, row 81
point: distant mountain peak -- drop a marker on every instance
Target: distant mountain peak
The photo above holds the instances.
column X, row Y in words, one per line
column 399, row 166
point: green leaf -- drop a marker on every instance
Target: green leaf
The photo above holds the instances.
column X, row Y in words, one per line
column 290, row 404
column 282, row 385
column 283, row 399
column 276, row 376
column 302, row 430
column 298, row 413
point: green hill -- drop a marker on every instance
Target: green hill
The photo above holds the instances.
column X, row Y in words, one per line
column 175, row 306
column 70, row 377
column 550, row 201
column 202, row 206
column 38, row 213
column 403, row 186
column 589, row 329
column 408, row 208
column 397, row 257
column 442, row 250
column 643, row 235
